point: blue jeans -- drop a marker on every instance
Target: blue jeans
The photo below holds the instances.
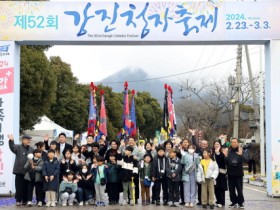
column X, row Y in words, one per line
column 84, row 194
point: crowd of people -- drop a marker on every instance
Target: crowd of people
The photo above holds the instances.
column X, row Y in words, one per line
column 181, row 172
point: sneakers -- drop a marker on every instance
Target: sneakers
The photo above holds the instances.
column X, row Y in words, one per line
column 48, row 204
column 211, row 206
column 97, row 203
column 81, row 203
column 29, row 203
column 187, row 205
column 233, row 206
column 132, row 203
column 241, row 206
column 53, row 204
column 102, row 204
column 191, row 205
column 124, row 203
column 40, row 204
column 18, row 204
column 86, row 203
column 70, row 204
column 64, row 203
column 219, row 205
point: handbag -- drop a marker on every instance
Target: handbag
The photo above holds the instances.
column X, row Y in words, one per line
column 147, row 182
column 102, row 180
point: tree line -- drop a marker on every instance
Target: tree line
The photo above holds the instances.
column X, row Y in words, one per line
column 48, row 87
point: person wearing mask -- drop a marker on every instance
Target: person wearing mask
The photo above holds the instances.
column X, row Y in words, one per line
column 190, row 162
column 234, row 159
column 85, row 186
column 21, row 151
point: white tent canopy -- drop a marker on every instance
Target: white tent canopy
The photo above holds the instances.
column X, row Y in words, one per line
column 48, row 127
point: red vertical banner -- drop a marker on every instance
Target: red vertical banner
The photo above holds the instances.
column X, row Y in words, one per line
column 103, row 117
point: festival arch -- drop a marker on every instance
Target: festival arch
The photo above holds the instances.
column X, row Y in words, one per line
column 137, row 23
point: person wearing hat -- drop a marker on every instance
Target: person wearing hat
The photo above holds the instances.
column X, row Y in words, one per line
column 21, row 151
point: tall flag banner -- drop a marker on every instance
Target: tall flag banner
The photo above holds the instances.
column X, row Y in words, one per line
column 126, row 120
column 92, row 112
column 95, row 89
column 173, row 108
column 165, row 110
column 103, row 117
column 170, row 113
column 133, row 127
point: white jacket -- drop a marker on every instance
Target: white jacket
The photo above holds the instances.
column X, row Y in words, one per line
column 211, row 173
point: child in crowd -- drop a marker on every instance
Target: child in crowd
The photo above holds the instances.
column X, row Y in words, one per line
column 58, row 155
column 77, row 156
column 100, row 176
column 41, row 146
column 129, row 169
column 159, row 176
column 67, row 164
column 208, row 171
column 114, row 181
column 85, row 186
column 190, row 160
column 145, row 171
column 173, row 172
column 34, row 177
column 50, row 172
column 67, row 189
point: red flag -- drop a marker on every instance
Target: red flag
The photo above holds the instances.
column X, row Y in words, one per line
column 103, row 117
column 126, row 120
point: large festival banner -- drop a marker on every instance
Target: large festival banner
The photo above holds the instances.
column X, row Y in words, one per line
column 7, row 114
column 174, row 21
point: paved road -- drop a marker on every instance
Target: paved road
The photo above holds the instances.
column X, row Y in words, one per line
column 256, row 199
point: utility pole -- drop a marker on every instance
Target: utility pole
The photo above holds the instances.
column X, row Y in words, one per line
column 236, row 113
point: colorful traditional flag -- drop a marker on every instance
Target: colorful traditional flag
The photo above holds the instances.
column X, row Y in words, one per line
column 174, row 115
column 126, row 120
column 92, row 113
column 170, row 112
column 165, row 110
column 133, row 127
column 103, row 117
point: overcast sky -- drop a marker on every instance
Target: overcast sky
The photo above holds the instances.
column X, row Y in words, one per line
column 93, row 63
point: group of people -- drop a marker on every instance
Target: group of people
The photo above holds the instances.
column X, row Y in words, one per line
column 181, row 171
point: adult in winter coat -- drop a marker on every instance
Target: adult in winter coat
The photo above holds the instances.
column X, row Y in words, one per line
column 21, row 151
column 221, row 181
column 234, row 160
column 190, row 162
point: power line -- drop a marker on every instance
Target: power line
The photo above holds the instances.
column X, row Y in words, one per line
column 174, row 75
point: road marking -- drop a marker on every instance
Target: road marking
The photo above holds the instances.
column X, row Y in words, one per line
column 255, row 189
